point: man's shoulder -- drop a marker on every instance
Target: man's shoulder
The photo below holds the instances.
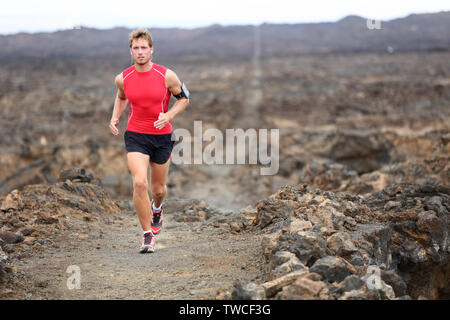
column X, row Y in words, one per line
column 127, row 71
column 160, row 68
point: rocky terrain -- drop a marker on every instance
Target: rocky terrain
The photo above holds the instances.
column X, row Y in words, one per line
column 318, row 244
column 357, row 210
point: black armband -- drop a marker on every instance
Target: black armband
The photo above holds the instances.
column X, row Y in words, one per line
column 184, row 92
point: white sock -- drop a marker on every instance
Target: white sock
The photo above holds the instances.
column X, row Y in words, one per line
column 148, row 231
column 155, row 208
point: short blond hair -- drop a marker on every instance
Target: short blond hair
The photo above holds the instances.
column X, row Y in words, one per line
column 140, row 34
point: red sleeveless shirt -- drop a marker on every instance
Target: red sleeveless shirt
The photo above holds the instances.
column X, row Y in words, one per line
column 148, row 97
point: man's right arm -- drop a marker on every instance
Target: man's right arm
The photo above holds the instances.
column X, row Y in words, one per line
column 119, row 105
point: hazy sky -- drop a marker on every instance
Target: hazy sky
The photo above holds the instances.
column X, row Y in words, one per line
column 50, row 15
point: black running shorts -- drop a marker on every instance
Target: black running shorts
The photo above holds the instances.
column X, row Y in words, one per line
column 157, row 146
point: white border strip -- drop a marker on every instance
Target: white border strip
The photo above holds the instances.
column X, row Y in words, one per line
column 128, row 75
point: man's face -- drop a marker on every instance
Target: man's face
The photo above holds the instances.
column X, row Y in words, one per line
column 141, row 51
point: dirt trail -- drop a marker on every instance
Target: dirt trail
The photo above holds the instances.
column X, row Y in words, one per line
column 250, row 116
column 220, row 188
column 191, row 261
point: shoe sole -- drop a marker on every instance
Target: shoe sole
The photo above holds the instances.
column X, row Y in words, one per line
column 147, row 250
column 155, row 232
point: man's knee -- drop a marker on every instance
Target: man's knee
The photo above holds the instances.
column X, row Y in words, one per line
column 140, row 185
column 159, row 191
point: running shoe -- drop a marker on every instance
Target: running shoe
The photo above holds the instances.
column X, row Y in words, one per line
column 157, row 220
column 148, row 243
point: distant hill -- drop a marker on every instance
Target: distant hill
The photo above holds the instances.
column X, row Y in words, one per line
column 416, row 32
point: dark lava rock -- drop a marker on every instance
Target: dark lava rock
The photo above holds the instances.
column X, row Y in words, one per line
column 333, row 269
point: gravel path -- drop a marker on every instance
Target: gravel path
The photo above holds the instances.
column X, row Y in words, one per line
column 191, row 261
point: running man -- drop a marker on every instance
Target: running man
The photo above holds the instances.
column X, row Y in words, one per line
column 148, row 137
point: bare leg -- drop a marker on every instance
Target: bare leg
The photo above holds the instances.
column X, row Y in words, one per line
column 158, row 181
column 138, row 165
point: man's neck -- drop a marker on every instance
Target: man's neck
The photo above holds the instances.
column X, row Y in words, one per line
column 143, row 67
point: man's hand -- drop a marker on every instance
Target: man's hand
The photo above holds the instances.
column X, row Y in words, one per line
column 162, row 121
column 113, row 126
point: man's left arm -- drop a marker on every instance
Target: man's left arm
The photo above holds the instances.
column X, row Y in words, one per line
column 173, row 84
